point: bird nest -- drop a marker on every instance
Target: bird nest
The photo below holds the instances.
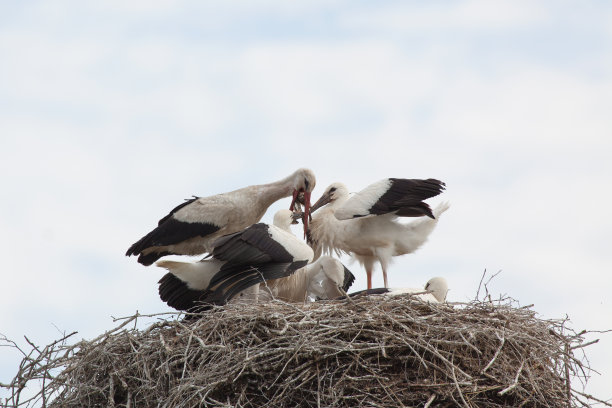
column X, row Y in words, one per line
column 363, row 351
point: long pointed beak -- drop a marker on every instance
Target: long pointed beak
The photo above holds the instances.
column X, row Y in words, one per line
column 306, row 212
column 324, row 199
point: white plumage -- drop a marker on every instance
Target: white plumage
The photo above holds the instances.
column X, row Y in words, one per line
column 325, row 278
column 370, row 230
column 435, row 291
column 192, row 227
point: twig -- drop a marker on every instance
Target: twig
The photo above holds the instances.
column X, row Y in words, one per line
column 502, row 342
column 515, row 382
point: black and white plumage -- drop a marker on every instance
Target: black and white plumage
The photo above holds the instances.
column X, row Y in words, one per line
column 435, row 291
column 325, row 278
column 192, row 227
column 366, row 225
column 238, row 262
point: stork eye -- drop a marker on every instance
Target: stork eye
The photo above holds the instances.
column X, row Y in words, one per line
column 306, row 183
column 331, row 190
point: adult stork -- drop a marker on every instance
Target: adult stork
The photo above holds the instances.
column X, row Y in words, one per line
column 326, row 278
column 192, row 227
column 366, row 225
column 435, row 291
column 238, row 262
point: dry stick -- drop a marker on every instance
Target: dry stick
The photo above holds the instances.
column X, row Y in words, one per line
column 457, row 386
column 473, row 347
column 503, row 340
column 430, row 400
column 606, row 403
column 568, row 384
column 185, row 357
column 480, row 285
column 584, row 344
column 32, row 344
column 515, row 383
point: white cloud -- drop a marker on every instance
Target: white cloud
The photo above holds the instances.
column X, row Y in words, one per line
column 466, row 15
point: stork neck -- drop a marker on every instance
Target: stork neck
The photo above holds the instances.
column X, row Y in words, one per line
column 272, row 192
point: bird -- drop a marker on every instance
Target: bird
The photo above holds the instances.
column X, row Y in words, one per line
column 238, row 262
column 326, row 278
column 192, row 227
column 366, row 225
column 435, row 291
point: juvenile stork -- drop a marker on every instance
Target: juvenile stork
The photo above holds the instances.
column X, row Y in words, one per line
column 435, row 291
column 326, row 278
column 238, row 262
column 192, row 227
column 366, row 225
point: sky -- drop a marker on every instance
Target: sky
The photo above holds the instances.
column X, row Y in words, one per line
column 111, row 113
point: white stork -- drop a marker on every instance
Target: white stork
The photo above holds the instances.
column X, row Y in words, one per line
column 366, row 226
column 435, row 291
column 192, row 227
column 238, row 262
column 326, row 278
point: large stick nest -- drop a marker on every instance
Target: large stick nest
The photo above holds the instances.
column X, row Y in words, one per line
column 367, row 351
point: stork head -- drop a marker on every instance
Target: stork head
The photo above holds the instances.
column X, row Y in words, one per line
column 284, row 218
column 304, row 182
column 438, row 288
column 332, row 193
column 326, row 278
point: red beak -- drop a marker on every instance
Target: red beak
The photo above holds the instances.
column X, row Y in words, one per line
column 306, row 212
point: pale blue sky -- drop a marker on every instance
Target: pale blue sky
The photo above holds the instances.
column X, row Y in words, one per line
column 112, row 112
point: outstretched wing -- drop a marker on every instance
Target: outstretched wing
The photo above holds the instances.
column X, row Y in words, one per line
column 402, row 197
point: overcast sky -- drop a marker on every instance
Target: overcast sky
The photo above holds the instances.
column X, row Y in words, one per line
column 111, row 113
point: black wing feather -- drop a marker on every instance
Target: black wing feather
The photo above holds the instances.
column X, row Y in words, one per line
column 252, row 245
column 405, row 196
column 178, row 295
column 240, row 277
column 349, row 278
column 172, row 232
column 365, row 292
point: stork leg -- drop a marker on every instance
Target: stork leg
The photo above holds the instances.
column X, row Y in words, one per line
column 368, row 264
column 383, row 265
